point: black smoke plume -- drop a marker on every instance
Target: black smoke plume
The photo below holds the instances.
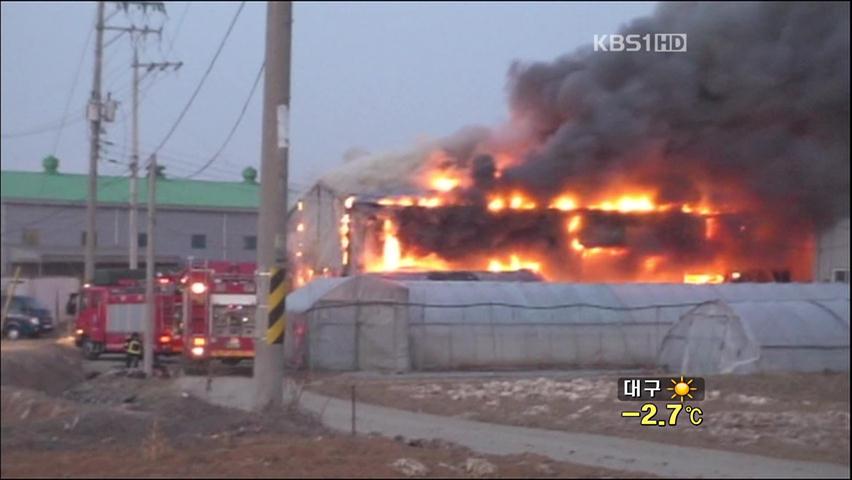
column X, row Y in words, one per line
column 760, row 99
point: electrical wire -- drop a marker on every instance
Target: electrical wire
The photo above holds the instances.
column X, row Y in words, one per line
column 73, row 89
column 48, row 127
column 203, row 79
column 177, row 28
column 235, row 126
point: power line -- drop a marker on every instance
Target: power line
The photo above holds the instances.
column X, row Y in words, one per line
column 203, row 79
column 46, row 128
column 179, row 161
column 177, row 28
column 236, row 124
column 73, row 89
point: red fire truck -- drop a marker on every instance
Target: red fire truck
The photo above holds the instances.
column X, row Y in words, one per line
column 113, row 307
column 219, row 309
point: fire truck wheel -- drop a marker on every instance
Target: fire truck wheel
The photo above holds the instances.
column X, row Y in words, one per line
column 90, row 349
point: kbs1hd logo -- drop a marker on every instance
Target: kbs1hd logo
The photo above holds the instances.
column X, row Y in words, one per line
column 634, row 42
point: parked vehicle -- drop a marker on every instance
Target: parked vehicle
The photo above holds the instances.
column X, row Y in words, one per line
column 30, row 307
column 18, row 325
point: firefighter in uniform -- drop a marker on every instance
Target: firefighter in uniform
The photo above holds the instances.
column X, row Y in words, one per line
column 133, row 349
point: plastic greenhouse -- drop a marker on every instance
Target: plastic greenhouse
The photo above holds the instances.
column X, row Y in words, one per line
column 768, row 336
column 367, row 323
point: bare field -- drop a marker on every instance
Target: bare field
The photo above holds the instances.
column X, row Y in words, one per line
column 63, row 418
column 793, row 416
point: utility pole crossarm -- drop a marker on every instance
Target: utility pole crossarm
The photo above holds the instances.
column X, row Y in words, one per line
column 144, row 30
column 160, row 65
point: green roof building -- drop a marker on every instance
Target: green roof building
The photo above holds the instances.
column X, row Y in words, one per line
column 43, row 220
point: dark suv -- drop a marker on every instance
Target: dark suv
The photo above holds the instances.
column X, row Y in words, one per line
column 18, row 326
column 30, row 308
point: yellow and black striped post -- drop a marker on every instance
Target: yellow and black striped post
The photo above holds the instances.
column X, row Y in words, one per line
column 277, row 315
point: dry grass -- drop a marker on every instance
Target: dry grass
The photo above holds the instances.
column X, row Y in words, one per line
column 155, row 444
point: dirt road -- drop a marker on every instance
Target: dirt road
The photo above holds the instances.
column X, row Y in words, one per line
column 586, row 449
column 787, row 416
column 63, row 417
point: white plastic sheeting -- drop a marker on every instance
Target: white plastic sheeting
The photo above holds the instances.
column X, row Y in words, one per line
column 477, row 324
column 355, row 323
column 766, row 336
column 493, row 324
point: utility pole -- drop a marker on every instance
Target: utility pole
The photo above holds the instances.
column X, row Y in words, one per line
column 272, row 274
column 150, row 263
column 150, row 304
column 133, row 223
column 133, row 233
column 94, row 116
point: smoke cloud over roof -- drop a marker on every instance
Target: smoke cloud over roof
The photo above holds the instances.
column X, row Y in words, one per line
column 760, row 99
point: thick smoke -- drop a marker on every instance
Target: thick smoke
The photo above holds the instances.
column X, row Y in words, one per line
column 760, row 100
column 753, row 119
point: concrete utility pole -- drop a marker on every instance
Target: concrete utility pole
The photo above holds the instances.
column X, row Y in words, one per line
column 133, row 223
column 94, row 116
column 150, row 304
column 271, row 226
column 133, row 233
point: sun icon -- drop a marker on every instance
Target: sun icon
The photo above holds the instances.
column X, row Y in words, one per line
column 681, row 388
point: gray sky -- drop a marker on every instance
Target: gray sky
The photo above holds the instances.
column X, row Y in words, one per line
column 377, row 76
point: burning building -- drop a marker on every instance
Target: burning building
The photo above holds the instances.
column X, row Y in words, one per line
column 722, row 163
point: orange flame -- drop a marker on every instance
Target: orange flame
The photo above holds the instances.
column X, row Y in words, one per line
column 391, row 249
column 445, row 184
column 345, row 229
column 515, row 263
column 392, row 257
column 517, row 201
column 427, row 202
column 575, row 224
column 702, row 278
column 711, row 227
column 627, row 203
column 497, row 204
column 386, row 252
column 651, row 263
column 609, row 251
column 564, row 203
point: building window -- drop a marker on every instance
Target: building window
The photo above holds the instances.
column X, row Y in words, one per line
column 83, row 238
column 250, row 242
column 840, row 275
column 142, row 240
column 199, row 241
column 30, row 237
